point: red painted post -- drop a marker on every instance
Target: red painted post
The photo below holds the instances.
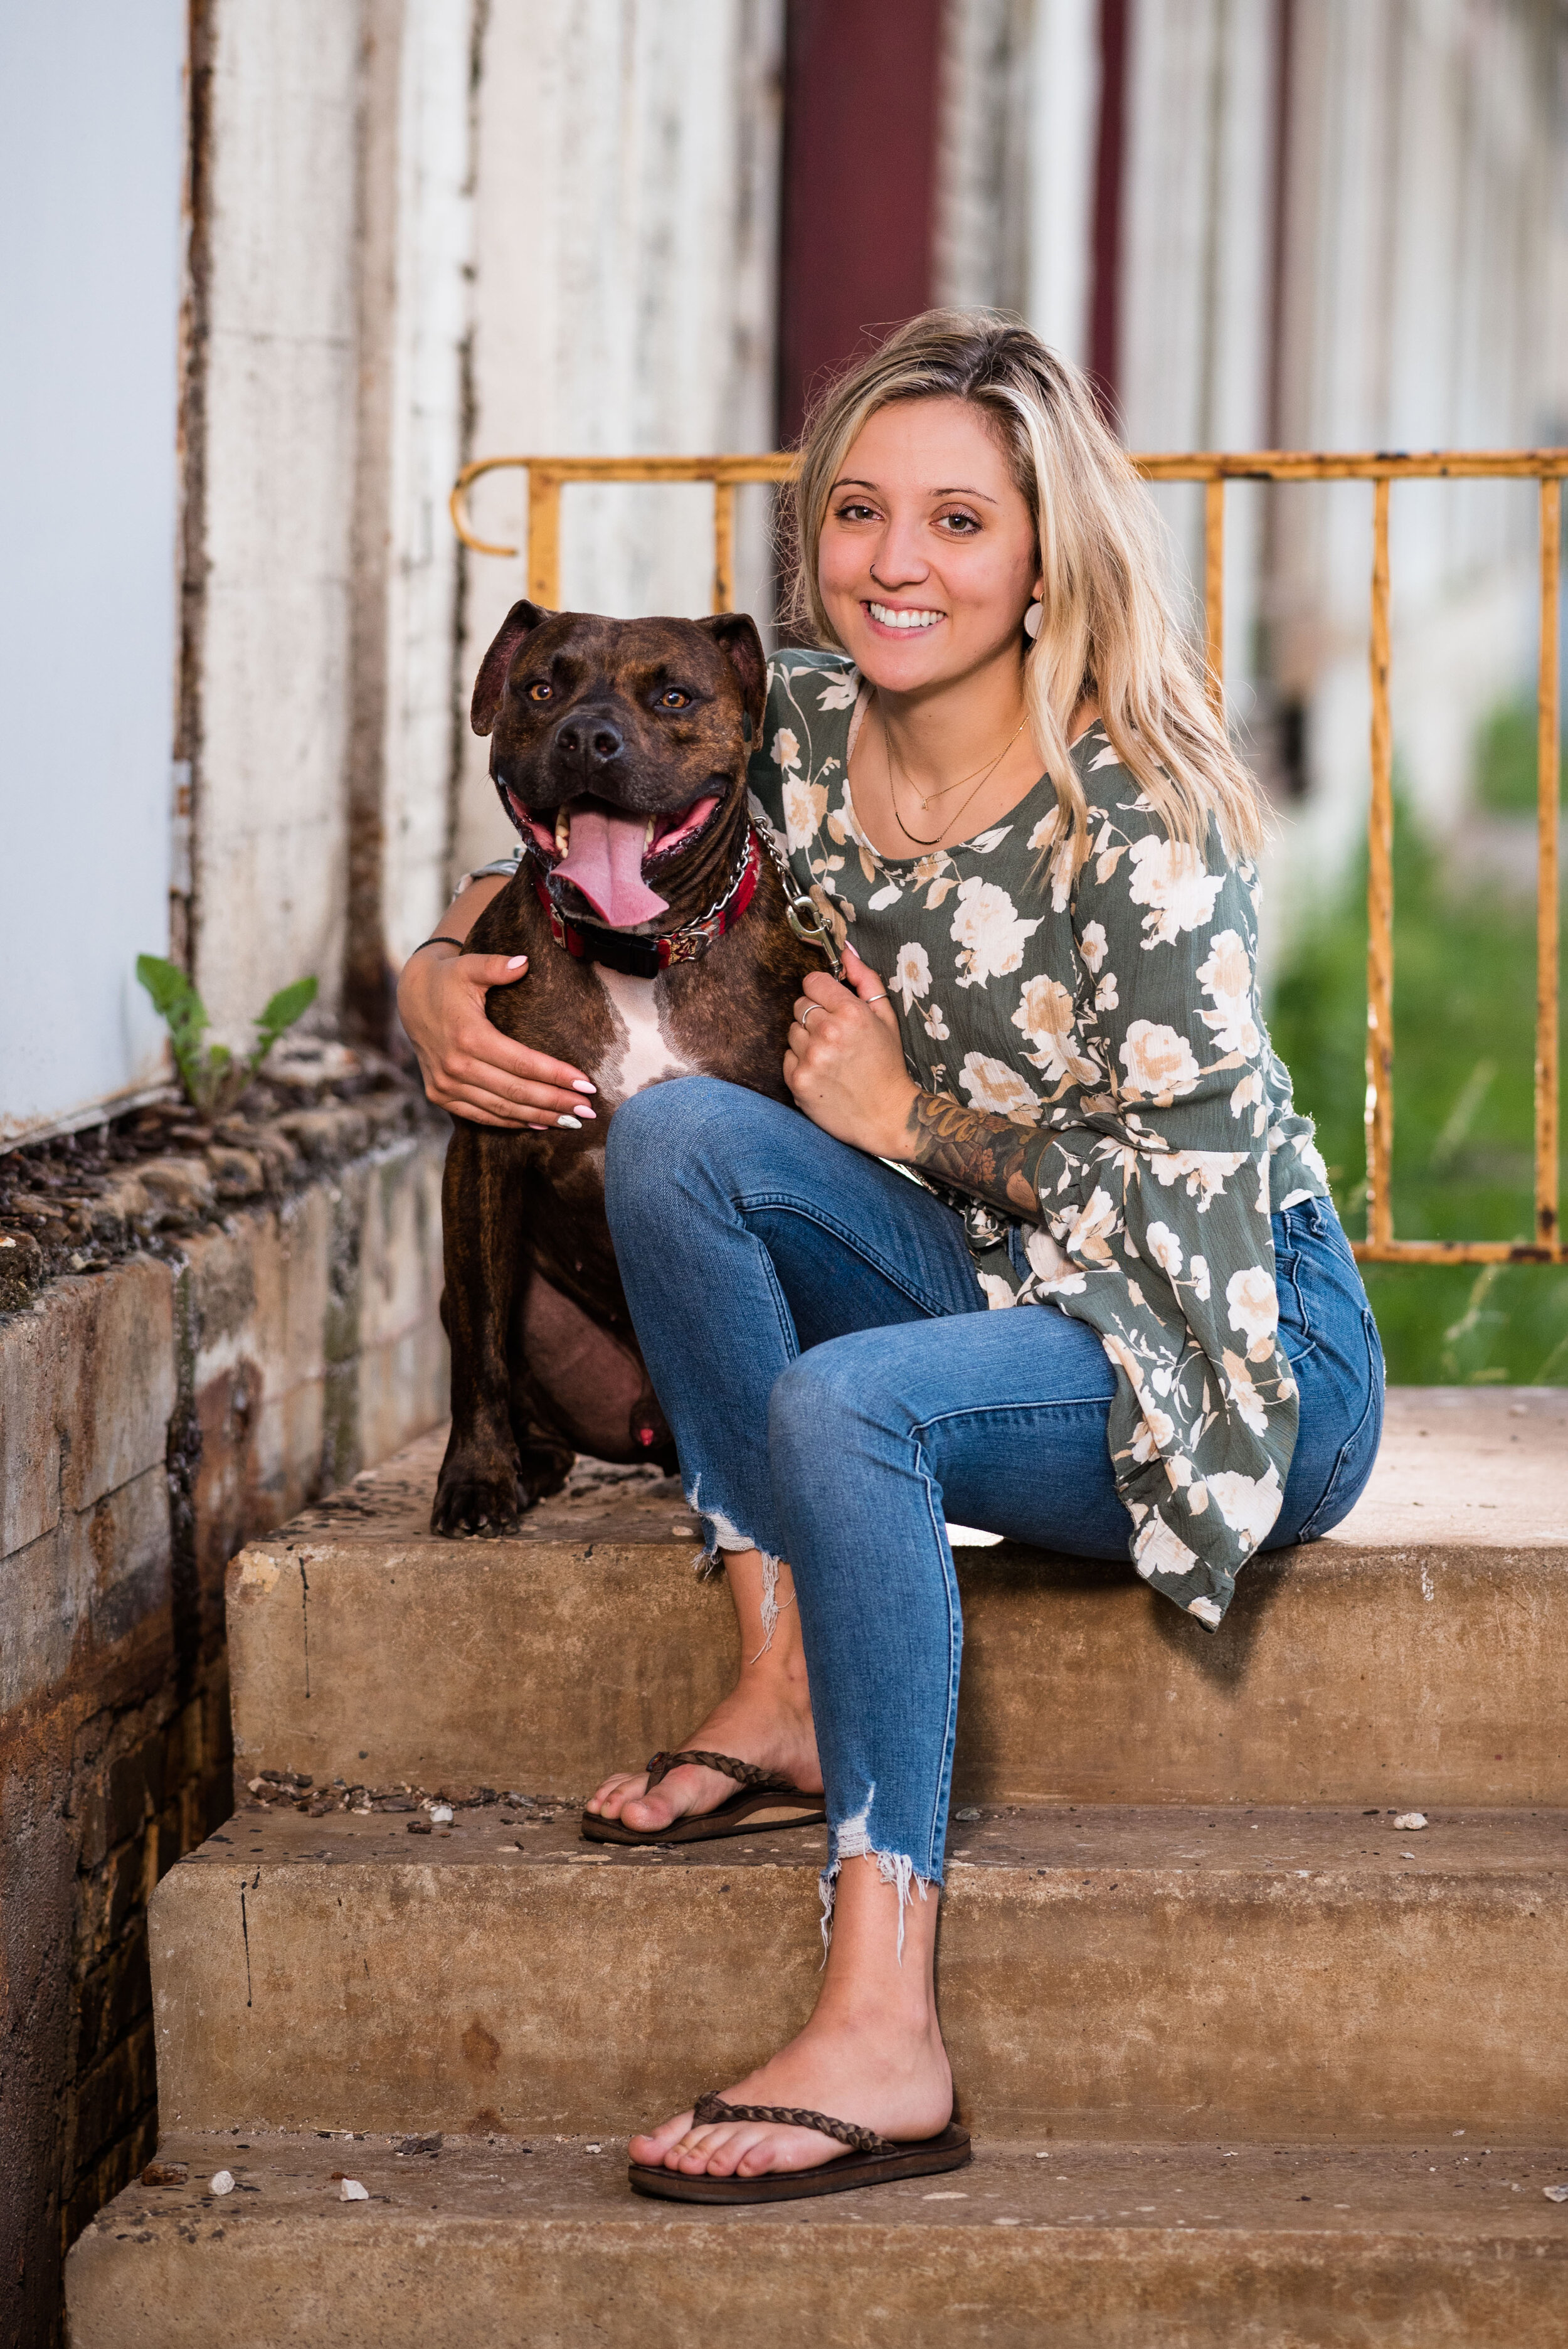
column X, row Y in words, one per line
column 859, row 182
column 1105, row 301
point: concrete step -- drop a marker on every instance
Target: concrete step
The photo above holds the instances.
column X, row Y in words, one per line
column 506, row 2244
column 1412, row 1657
column 1114, row 1973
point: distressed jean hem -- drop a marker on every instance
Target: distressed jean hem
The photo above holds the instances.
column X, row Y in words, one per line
column 894, row 1867
column 725, row 1538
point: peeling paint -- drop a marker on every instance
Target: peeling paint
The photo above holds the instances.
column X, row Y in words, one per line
column 257, row 1572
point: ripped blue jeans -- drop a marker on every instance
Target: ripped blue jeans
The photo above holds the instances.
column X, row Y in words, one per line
column 839, row 1391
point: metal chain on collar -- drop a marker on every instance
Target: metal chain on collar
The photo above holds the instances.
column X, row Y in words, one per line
column 698, row 921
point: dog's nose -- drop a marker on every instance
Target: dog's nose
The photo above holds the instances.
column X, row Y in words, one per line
column 591, row 736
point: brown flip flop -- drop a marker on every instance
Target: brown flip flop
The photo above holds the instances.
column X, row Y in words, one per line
column 764, row 1802
column 871, row 2160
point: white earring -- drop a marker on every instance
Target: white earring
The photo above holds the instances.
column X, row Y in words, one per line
column 1032, row 618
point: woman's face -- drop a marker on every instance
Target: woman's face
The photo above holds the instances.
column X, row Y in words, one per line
column 926, row 564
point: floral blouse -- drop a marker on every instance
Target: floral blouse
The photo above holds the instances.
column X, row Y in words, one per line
column 1117, row 1008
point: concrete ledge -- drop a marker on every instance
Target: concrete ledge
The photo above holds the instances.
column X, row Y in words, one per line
column 1117, row 1974
column 529, row 2244
column 1413, row 1656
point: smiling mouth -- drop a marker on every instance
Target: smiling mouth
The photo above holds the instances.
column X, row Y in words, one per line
column 906, row 618
column 604, row 851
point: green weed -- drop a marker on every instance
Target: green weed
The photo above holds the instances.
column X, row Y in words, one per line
column 1505, row 760
column 1464, row 1013
column 212, row 1077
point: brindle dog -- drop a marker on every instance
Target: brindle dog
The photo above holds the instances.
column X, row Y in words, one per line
column 620, row 749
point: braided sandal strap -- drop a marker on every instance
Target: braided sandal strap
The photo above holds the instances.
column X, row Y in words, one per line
column 745, row 1774
column 710, row 2107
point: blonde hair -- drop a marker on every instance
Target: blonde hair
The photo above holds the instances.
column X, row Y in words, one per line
column 1107, row 630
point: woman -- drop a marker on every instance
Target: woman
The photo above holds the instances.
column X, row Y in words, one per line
column 1145, row 1334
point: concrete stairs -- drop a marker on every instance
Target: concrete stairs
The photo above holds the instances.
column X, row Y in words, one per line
column 1246, row 2062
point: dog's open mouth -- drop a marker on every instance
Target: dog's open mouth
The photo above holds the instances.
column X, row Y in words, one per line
column 604, row 850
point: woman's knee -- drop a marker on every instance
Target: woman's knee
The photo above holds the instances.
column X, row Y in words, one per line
column 695, row 1138
column 663, row 1115
column 659, row 1137
column 825, row 1396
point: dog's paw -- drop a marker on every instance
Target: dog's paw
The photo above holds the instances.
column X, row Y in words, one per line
column 484, row 1502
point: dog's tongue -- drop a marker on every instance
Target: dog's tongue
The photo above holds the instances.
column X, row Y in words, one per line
column 604, row 859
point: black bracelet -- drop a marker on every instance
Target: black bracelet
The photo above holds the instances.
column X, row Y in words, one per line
column 440, row 940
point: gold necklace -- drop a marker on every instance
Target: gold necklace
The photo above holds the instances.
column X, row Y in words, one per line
column 941, row 790
column 984, row 774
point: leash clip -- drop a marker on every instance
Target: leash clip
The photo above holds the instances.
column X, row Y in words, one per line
column 807, row 924
column 800, row 910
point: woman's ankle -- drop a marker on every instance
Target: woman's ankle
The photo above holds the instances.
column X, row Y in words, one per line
column 882, row 1949
column 868, row 1983
column 762, row 1590
column 778, row 1672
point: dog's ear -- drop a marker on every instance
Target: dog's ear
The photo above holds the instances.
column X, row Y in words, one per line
column 490, row 682
column 736, row 635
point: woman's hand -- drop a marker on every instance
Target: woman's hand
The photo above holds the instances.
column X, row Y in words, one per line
column 845, row 1061
column 468, row 1065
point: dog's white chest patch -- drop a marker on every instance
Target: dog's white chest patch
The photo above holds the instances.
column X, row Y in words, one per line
column 645, row 1053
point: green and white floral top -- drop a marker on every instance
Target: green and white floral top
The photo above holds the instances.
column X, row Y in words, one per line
column 1117, row 1008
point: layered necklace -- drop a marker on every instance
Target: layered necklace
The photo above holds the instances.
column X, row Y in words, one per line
column 978, row 776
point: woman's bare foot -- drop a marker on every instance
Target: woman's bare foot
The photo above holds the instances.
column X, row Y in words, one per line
column 765, row 1719
column 871, row 2053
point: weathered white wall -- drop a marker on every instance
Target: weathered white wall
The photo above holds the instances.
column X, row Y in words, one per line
column 340, row 304
column 625, row 231
column 980, row 255
column 90, row 101
column 1195, row 290
column 433, row 254
column 270, row 824
column 1064, row 103
column 1019, row 123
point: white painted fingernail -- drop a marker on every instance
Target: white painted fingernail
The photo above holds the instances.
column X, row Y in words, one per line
column 517, row 962
column 574, row 1123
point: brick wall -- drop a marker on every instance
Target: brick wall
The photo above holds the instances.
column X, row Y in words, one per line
column 152, row 1417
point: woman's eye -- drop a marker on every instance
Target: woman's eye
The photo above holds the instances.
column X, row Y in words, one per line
column 962, row 525
column 673, row 698
column 855, row 511
column 541, row 692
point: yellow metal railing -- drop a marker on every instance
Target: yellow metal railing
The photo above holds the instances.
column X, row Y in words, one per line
column 1546, row 467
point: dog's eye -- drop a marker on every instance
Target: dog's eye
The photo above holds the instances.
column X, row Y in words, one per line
column 673, row 698
column 541, row 692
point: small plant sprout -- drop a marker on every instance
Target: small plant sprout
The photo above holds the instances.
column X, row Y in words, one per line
column 212, row 1076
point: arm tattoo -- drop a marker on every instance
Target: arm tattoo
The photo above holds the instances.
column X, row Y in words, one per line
column 977, row 1151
